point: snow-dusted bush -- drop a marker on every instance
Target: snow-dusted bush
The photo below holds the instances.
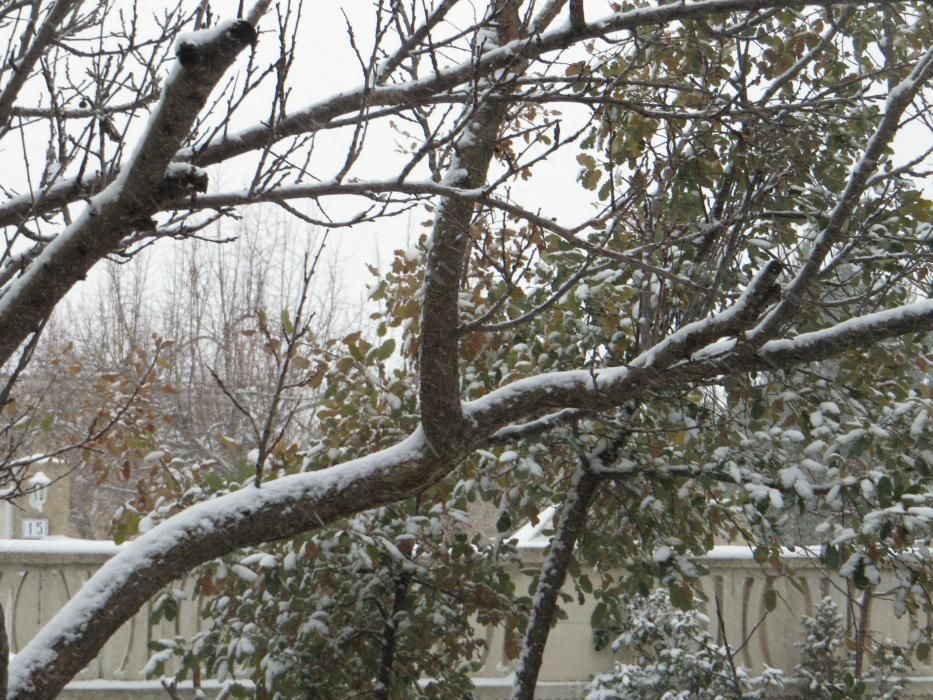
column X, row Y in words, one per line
column 827, row 670
column 383, row 607
column 674, row 658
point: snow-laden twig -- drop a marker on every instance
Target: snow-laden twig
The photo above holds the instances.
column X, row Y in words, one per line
column 133, row 196
column 835, row 231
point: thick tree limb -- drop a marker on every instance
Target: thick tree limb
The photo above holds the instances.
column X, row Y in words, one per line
column 59, row 193
column 280, row 509
column 546, row 15
column 732, row 321
column 4, row 655
column 608, row 388
column 439, row 387
column 577, row 18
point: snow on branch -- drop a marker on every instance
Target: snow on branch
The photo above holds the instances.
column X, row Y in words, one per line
column 607, row 388
column 916, row 317
column 280, row 509
column 417, row 91
column 133, row 197
column 836, row 229
column 736, row 319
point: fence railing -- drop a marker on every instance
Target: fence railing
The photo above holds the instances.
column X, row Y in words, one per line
column 38, row 576
column 737, row 592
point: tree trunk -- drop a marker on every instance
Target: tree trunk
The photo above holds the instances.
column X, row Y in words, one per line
column 4, row 655
column 390, row 637
column 553, row 575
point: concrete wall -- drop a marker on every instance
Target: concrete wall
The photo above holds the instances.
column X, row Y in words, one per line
column 37, row 577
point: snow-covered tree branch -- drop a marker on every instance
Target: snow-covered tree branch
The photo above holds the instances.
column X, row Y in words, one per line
column 749, row 213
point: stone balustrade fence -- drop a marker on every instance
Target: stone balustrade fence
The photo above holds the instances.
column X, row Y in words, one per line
column 38, row 576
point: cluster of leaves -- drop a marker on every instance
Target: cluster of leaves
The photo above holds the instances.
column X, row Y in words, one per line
column 97, row 417
column 393, row 603
column 672, row 656
column 211, row 434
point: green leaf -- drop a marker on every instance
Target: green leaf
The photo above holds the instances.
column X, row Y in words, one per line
column 831, row 557
column 127, row 527
column 591, row 179
column 600, row 610
column 386, row 349
column 170, row 609
column 770, row 600
column 885, row 492
column 761, row 555
column 681, row 596
column 213, row 481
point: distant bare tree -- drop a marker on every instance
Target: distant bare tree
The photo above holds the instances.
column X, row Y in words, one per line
column 181, row 340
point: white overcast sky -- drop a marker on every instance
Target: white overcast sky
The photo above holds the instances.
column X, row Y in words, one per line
column 325, row 64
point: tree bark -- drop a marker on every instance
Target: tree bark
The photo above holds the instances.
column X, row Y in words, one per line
column 439, row 384
column 4, row 655
column 390, row 637
column 551, row 581
column 573, row 514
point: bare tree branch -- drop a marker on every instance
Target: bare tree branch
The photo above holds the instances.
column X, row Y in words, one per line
column 24, row 64
column 134, row 195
